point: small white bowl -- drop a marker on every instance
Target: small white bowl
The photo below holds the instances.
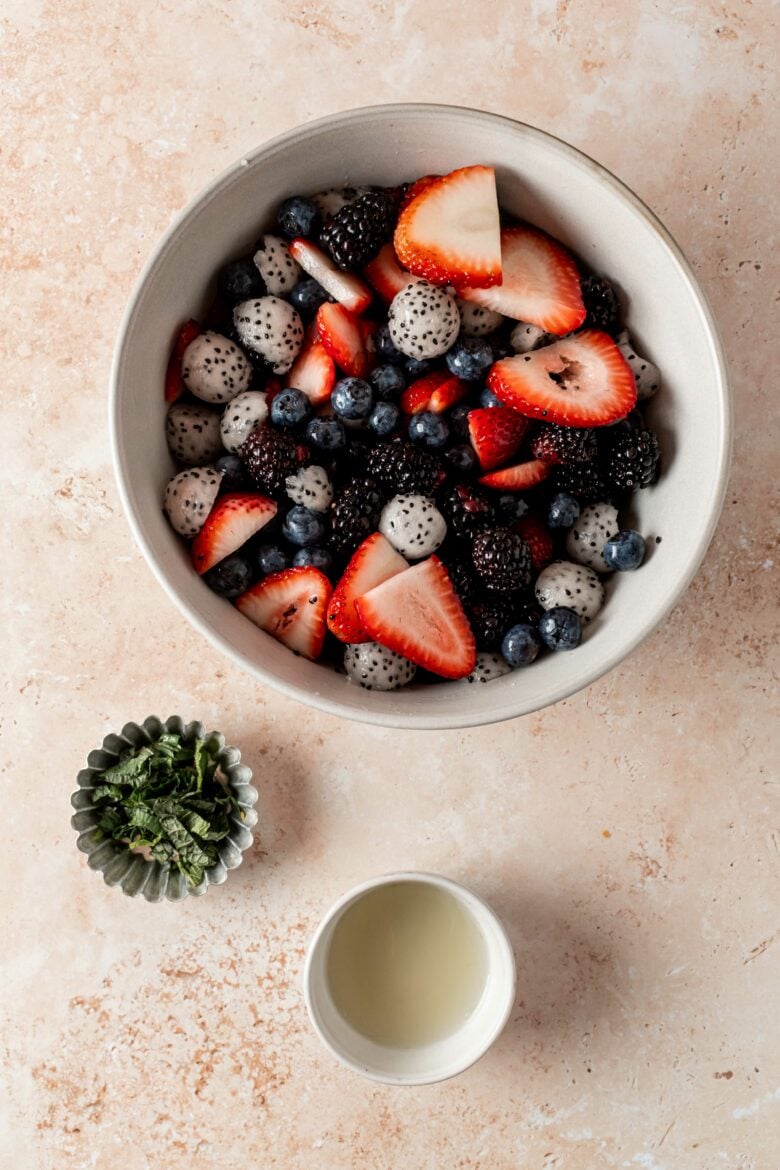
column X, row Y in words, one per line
column 433, row 1062
column 549, row 183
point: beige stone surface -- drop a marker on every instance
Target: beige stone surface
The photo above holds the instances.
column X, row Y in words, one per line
column 629, row 836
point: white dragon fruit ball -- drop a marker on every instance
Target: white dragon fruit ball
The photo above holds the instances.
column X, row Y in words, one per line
column 423, row 320
column 476, row 320
column 524, row 337
column 214, row 369
column 276, row 266
column 489, row 666
column 646, row 375
column 595, row 525
column 189, row 498
column 413, row 524
column 271, row 328
column 193, row 433
column 376, row 668
column 570, row 585
column 241, row 416
column 310, row 487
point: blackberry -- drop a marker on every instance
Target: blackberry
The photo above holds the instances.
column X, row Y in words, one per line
column 403, row 468
column 462, row 576
column 354, row 515
column 581, row 480
column 467, row 509
column 502, row 560
column 601, row 304
column 633, row 459
column 489, row 618
column 357, row 232
column 269, row 457
column 564, row 444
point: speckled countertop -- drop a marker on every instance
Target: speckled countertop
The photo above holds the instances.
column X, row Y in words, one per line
column 630, row 836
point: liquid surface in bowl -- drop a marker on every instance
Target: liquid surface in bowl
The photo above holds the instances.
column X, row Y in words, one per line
column 407, row 964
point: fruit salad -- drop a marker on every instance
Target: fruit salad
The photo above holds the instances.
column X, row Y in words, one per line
column 406, row 431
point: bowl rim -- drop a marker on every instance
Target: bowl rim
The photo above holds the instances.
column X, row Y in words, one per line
column 480, row 910
column 442, row 720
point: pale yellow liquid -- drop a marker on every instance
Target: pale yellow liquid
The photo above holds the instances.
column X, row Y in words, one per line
column 406, row 965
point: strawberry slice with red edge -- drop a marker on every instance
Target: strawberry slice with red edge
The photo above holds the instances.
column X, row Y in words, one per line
column 340, row 333
column 416, row 188
column 538, row 539
column 291, row 607
column 313, row 370
column 519, row 477
column 349, row 290
column 386, row 276
column 450, row 233
column 174, row 385
column 436, row 392
column 495, row 434
column 233, row 520
column 374, row 561
column 417, row 613
column 540, row 285
column 579, row 381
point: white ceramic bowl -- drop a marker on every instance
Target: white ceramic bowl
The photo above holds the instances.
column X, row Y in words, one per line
column 549, row 183
column 433, row 1062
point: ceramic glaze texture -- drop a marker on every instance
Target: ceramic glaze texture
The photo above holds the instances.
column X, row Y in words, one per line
column 628, row 837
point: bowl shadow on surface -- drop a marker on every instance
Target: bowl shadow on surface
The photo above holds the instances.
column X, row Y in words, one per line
column 572, row 974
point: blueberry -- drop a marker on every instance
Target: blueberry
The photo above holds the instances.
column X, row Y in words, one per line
column 271, row 559
column 470, row 358
column 230, row 577
column 560, row 628
column 240, row 281
column 327, row 434
column 512, row 507
column 383, row 345
column 563, row 512
column 352, row 399
column 320, row 558
column 624, row 552
column 488, row 398
column 289, row 409
column 234, row 477
column 299, row 217
column 388, row 382
column 302, row 527
column 384, row 419
column 521, row 644
column 307, row 296
column 463, row 458
column 429, row 430
column 459, row 420
column 418, row 367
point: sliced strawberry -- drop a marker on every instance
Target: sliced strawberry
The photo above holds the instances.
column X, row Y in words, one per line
column 342, row 337
column 579, row 381
column 437, row 392
column 348, row 289
column 538, row 539
column 313, row 370
column 540, row 285
column 174, row 386
column 418, row 186
column 449, row 233
column 386, row 276
column 495, row 434
column 368, row 328
column 291, row 607
column 517, row 478
column 374, row 561
column 418, row 614
column 231, row 522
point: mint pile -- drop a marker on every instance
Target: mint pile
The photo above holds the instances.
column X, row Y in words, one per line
column 166, row 797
